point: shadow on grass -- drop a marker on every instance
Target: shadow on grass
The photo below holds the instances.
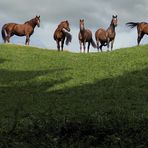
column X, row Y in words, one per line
column 2, row 61
column 13, row 76
column 108, row 113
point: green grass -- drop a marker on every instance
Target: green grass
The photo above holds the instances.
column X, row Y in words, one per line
column 64, row 99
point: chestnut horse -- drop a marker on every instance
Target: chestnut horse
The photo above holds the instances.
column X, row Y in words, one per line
column 61, row 33
column 142, row 29
column 106, row 36
column 26, row 29
column 85, row 35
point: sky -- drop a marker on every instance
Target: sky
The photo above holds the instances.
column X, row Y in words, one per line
column 96, row 13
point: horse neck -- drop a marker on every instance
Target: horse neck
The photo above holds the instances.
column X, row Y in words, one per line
column 60, row 27
column 32, row 23
column 112, row 27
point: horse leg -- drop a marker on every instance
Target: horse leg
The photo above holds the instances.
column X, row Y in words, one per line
column 98, row 45
column 27, row 40
column 8, row 37
column 84, row 43
column 108, row 44
column 101, row 47
column 58, row 45
column 88, row 47
column 140, row 36
column 80, row 46
column 112, row 43
column 62, row 44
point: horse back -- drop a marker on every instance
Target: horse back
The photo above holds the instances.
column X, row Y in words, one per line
column 23, row 29
column 143, row 27
column 9, row 26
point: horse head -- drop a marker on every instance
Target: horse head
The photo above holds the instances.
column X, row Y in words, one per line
column 37, row 20
column 114, row 20
column 65, row 25
column 82, row 24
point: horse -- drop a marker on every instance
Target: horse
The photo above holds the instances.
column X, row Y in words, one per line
column 26, row 29
column 85, row 35
column 142, row 29
column 106, row 36
column 61, row 34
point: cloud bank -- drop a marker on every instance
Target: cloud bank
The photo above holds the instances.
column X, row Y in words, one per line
column 97, row 13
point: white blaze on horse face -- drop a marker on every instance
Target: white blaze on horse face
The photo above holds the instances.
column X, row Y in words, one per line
column 81, row 26
column 115, row 21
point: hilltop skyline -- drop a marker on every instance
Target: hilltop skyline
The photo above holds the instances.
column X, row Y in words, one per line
column 97, row 13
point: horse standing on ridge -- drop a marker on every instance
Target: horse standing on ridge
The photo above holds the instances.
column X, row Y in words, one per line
column 104, row 37
column 61, row 34
column 26, row 29
column 142, row 29
column 85, row 35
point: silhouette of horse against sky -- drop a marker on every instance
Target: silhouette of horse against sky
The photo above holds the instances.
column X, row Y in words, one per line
column 26, row 29
column 61, row 34
column 104, row 37
column 142, row 29
column 85, row 35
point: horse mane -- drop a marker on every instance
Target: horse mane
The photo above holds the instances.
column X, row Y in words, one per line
column 32, row 20
column 59, row 26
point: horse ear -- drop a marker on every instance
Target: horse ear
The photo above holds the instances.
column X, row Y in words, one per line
column 39, row 16
column 83, row 20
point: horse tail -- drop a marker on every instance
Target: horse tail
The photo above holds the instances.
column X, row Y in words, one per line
column 68, row 38
column 132, row 24
column 3, row 32
column 93, row 43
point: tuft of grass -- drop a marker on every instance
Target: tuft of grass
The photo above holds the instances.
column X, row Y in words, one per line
column 64, row 99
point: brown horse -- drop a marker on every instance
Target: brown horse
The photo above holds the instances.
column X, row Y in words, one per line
column 85, row 35
column 61, row 33
column 106, row 36
column 142, row 29
column 26, row 29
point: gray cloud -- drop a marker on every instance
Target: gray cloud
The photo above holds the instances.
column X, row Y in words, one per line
column 97, row 13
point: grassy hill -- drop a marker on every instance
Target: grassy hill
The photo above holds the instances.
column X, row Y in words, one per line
column 63, row 99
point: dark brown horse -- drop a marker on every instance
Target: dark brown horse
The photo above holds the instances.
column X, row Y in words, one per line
column 26, row 29
column 142, row 29
column 104, row 37
column 61, row 34
column 85, row 35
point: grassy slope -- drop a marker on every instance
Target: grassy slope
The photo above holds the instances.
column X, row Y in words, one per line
column 110, row 87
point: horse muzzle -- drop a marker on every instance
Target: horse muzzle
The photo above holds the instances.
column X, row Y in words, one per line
column 38, row 25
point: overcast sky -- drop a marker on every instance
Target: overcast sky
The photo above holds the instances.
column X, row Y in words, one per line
column 97, row 13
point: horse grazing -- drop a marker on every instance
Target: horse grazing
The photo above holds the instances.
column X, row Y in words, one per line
column 106, row 36
column 26, row 29
column 61, row 33
column 85, row 35
column 142, row 29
